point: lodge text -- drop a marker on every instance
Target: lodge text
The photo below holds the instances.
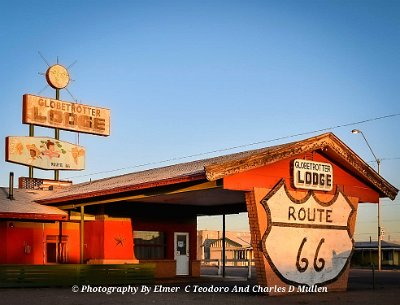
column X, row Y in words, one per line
column 312, row 175
column 65, row 115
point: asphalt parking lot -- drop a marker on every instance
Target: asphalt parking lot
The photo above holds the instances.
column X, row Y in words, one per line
column 210, row 289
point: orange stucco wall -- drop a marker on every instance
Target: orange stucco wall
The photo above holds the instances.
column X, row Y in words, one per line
column 109, row 239
column 25, row 242
column 268, row 176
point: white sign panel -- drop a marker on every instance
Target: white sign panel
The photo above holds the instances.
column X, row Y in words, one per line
column 312, row 175
column 307, row 242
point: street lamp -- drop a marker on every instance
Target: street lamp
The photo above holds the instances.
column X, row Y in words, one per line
column 378, row 161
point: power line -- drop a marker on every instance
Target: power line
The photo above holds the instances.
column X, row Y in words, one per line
column 241, row 146
column 390, row 159
column 386, row 220
column 374, row 221
column 384, row 159
column 394, row 203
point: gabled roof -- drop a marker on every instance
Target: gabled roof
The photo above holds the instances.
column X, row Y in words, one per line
column 328, row 144
column 367, row 245
column 241, row 238
column 24, row 207
column 228, row 241
column 212, row 169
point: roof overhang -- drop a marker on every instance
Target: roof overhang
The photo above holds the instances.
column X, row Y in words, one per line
column 87, row 196
column 327, row 144
column 211, row 174
column 33, row 216
column 21, row 206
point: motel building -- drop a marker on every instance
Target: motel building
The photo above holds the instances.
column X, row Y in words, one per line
column 301, row 199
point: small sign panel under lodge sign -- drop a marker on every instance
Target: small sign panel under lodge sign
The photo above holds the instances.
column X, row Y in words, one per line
column 54, row 113
column 45, row 153
column 311, row 175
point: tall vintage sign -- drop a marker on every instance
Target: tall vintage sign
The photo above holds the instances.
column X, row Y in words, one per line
column 45, row 153
column 49, row 153
column 55, row 113
column 315, row 234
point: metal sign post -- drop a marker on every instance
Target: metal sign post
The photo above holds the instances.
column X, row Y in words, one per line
column 31, row 134
column 57, row 137
column 57, row 77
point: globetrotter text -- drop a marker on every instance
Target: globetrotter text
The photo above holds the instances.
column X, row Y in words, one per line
column 65, row 115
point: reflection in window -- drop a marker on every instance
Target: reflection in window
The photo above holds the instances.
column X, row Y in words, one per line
column 149, row 244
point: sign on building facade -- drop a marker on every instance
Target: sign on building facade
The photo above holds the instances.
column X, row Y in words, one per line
column 311, row 175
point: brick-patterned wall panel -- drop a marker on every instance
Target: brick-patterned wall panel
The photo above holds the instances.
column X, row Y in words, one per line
column 294, row 249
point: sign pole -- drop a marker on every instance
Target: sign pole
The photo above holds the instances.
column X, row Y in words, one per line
column 82, row 234
column 57, row 137
column 378, row 161
column 223, row 245
column 31, row 134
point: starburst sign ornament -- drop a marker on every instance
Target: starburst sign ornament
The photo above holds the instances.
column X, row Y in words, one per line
column 57, row 76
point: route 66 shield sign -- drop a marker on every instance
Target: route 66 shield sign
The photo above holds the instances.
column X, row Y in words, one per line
column 307, row 242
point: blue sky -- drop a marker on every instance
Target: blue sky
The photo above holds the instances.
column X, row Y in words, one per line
column 188, row 77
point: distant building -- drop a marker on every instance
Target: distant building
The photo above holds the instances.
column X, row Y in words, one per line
column 238, row 248
column 366, row 253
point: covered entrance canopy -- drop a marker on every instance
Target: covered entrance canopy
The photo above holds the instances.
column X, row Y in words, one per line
column 169, row 199
column 202, row 184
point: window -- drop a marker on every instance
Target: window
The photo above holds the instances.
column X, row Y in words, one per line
column 51, row 251
column 54, row 255
column 240, row 254
column 207, row 253
column 388, row 256
column 149, row 244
